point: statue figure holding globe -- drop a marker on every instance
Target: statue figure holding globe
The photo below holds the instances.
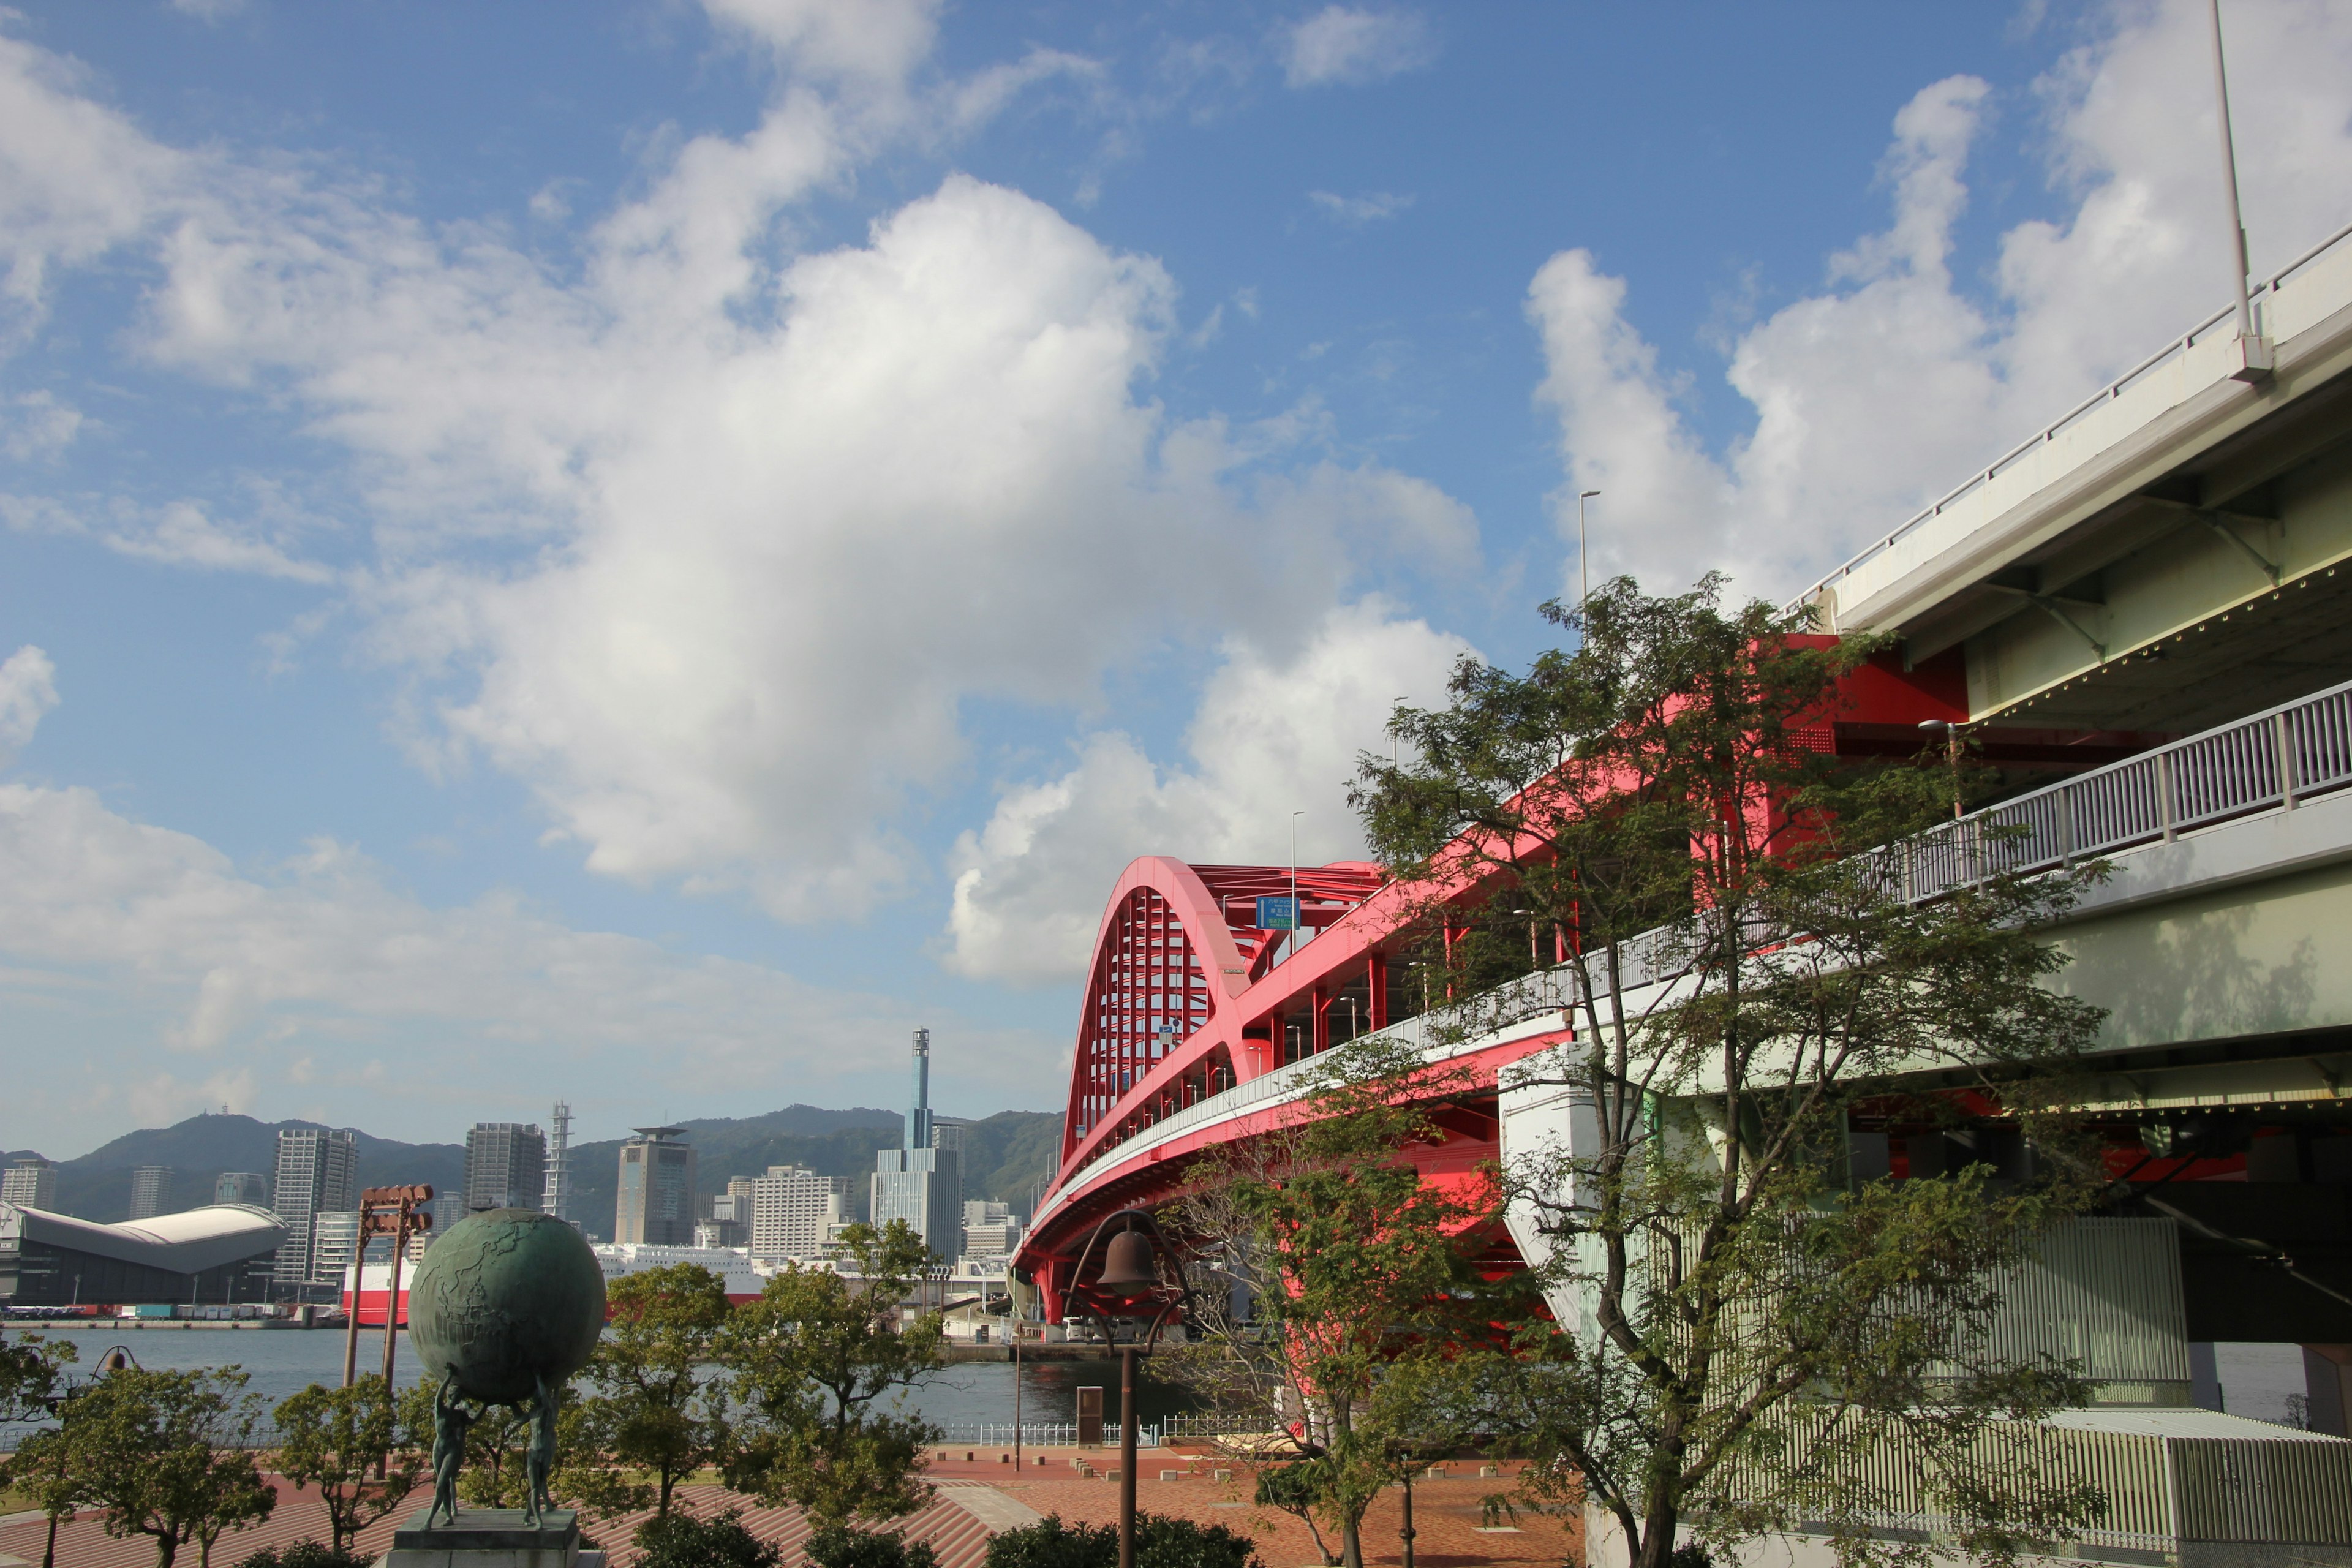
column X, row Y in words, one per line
column 504, row 1308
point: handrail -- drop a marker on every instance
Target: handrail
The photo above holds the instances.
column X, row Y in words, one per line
column 2113, row 390
column 2278, row 758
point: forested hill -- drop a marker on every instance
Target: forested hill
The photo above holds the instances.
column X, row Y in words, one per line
column 1006, row 1157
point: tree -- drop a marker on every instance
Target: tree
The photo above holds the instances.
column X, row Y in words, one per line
column 814, row 1358
column 307, row 1554
column 1161, row 1541
column 162, row 1454
column 1355, row 1272
column 653, row 1410
column 336, row 1439
column 1712, row 895
column 845, row 1546
column 30, row 1375
column 681, row 1541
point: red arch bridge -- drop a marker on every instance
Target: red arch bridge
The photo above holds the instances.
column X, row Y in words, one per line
column 1199, row 1026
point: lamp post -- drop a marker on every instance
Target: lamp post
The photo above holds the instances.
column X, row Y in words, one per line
column 1296, row 924
column 114, row 1360
column 1131, row 1285
column 1951, row 754
column 1583, row 574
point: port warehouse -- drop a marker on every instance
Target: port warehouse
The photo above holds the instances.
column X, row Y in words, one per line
column 2141, row 619
column 217, row 1256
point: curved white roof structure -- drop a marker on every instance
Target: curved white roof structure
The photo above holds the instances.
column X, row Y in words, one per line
column 187, row 1243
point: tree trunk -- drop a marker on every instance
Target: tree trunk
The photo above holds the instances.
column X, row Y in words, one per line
column 1658, row 1535
column 166, row 1548
column 1351, row 1542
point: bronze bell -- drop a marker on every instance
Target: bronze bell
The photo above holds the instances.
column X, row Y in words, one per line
column 1128, row 1263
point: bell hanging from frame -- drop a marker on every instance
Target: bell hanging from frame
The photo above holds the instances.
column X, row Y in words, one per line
column 1128, row 1263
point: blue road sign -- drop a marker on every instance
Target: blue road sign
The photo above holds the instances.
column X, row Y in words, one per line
column 1277, row 914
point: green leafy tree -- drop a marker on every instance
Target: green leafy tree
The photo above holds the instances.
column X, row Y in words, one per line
column 1707, row 890
column 31, row 1374
column 349, row 1444
column 307, row 1554
column 817, row 1363
column 1356, row 1274
column 160, row 1453
column 653, row 1413
column 845, row 1546
column 681, row 1541
column 1161, row 1541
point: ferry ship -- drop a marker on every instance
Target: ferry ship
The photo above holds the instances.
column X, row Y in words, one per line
column 744, row 1280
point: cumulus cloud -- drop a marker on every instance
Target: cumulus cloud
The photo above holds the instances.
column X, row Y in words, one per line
column 1874, row 396
column 1345, row 46
column 28, row 690
column 36, row 425
column 1356, row 211
column 320, row 968
column 710, row 540
column 1274, row 732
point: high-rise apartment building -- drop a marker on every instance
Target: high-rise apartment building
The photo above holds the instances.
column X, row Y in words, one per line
column 334, row 1238
column 151, row 1191
column 30, row 1185
column 989, row 1230
column 556, row 1197
column 656, row 1203
column 242, row 1187
column 506, row 1166
column 791, row 1209
column 919, row 1183
column 318, row 1172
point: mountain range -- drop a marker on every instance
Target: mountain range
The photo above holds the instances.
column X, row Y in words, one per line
column 1006, row 1157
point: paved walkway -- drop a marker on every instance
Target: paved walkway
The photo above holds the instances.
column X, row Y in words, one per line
column 977, row 1496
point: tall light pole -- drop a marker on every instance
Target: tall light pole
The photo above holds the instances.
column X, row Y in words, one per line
column 1396, row 745
column 2229, row 178
column 1583, row 574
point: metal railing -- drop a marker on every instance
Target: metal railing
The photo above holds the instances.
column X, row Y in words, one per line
column 2273, row 760
column 1040, row 1434
column 2262, row 289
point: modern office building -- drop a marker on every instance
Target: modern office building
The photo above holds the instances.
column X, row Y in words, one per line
column 506, row 1166
column 656, row 1203
column 728, row 1223
column 241, row 1187
column 318, row 1172
column 555, row 1198
column 30, row 1184
column 151, row 1191
column 790, row 1208
column 990, row 1228
column 198, row 1257
column 920, row 1183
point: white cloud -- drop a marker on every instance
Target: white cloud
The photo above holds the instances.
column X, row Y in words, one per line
column 217, row 978
column 1347, row 45
column 709, row 541
column 1877, row 394
column 1370, row 207
column 36, row 425
column 1274, row 732
column 209, row 10
column 28, row 690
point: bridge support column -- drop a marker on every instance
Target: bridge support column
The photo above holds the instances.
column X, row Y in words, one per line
column 1376, row 979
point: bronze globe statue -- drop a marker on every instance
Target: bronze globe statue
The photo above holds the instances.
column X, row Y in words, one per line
column 504, row 1308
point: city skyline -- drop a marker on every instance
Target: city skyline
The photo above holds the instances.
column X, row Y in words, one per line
column 589, row 565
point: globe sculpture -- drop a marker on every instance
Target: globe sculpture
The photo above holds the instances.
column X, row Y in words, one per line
column 504, row 1308
column 508, row 1299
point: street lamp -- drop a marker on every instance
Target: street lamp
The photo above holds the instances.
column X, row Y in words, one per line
column 114, row 1360
column 1583, row 574
column 1951, row 753
column 1138, row 1288
column 1297, row 922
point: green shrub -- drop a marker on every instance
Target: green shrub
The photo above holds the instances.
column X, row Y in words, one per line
column 844, row 1546
column 682, row 1541
column 1160, row 1542
column 307, row 1554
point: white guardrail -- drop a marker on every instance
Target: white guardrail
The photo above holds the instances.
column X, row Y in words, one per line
column 2274, row 760
column 2260, row 295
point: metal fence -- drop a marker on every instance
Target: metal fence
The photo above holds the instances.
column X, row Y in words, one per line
column 2273, row 760
column 1040, row 1434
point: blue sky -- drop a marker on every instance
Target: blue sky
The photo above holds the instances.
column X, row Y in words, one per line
column 639, row 552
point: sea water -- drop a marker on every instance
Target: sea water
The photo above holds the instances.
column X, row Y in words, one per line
column 279, row 1362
